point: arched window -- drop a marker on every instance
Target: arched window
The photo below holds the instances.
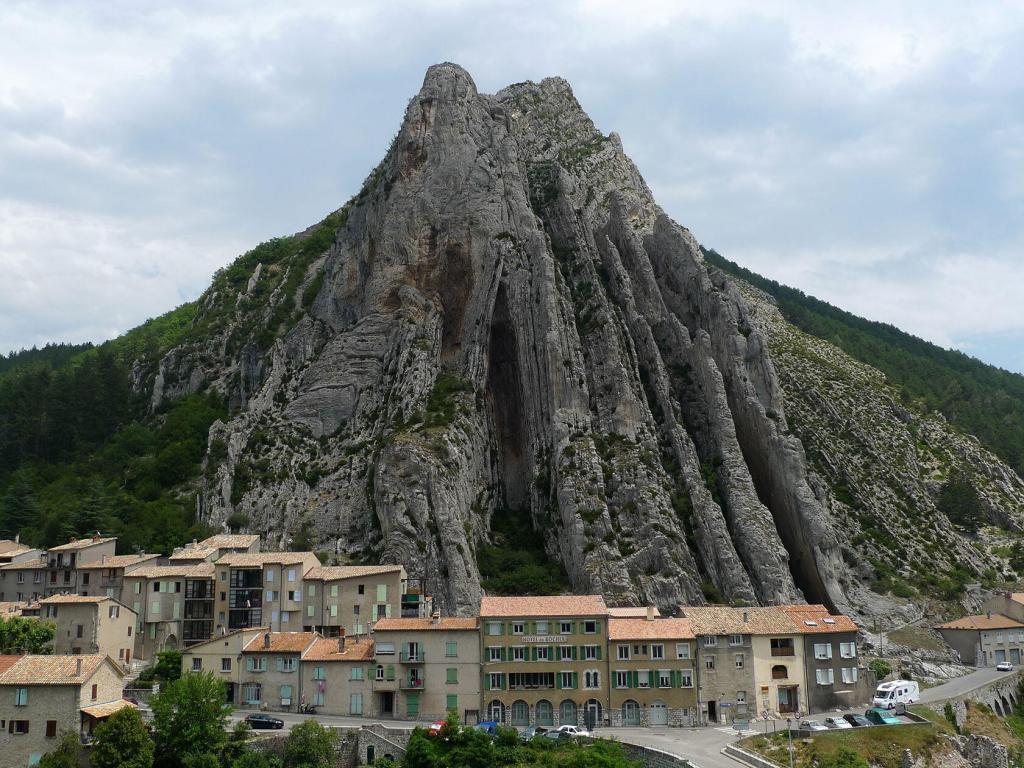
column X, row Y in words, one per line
column 520, row 712
column 779, row 672
column 567, row 713
column 545, row 713
column 380, row 672
column 496, row 710
column 591, row 679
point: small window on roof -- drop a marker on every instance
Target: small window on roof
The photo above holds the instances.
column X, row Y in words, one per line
column 810, row 623
column 829, row 621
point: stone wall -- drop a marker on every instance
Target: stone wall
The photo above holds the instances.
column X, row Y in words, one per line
column 375, row 741
column 1001, row 696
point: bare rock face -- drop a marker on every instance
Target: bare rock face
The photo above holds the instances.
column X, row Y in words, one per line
column 503, row 322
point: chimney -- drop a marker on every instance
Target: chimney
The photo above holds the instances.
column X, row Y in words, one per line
column 78, row 667
column 341, row 642
column 435, row 617
column 96, row 536
column 650, row 613
column 17, row 538
column 266, row 640
column 746, row 616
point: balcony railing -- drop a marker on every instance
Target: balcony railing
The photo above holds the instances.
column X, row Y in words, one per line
column 782, row 652
column 412, row 657
column 411, row 685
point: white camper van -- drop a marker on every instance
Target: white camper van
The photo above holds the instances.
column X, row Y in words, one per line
column 896, row 692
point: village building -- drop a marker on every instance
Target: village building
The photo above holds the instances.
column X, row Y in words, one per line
column 651, row 676
column 64, row 563
column 91, row 625
column 211, row 549
column 337, row 676
column 348, row 599
column 544, row 659
column 271, row 676
column 173, row 606
column 24, row 581
column 261, row 589
column 986, row 639
column 16, row 552
column 222, row 657
column 426, row 668
column 106, row 575
column 44, row 697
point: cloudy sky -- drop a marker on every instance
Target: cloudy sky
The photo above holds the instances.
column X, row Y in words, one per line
column 870, row 156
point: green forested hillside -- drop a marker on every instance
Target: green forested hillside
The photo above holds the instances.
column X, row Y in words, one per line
column 981, row 399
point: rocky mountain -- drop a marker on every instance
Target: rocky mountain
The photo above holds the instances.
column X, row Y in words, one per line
column 503, row 332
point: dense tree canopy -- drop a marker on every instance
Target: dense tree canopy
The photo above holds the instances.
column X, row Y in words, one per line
column 19, row 635
column 189, row 718
column 122, row 742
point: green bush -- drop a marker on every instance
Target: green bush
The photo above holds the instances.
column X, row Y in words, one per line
column 881, row 668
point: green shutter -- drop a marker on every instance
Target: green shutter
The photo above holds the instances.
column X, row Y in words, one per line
column 597, row 627
column 280, row 664
column 552, row 653
column 248, row 663
column 389, row 672
column 558, row 680
column 452, row 701
column 487, row 682
column 533, row 653
column 636, row 678
column 502, row 681
column 599, row 653
column 575, row 653
column 503, row 653
column 575, row 679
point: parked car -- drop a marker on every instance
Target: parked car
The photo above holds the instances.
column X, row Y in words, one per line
column 812, row 725
column 532, row 732
column 836, row 722
column 435, row 727
column 1004, row 666
column 259, row 720
column 558, row 736
column 857, row 721
column 888, row 695
column 488, row 726
column 573, row 730
column 880, row 716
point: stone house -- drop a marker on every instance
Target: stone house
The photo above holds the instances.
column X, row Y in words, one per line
column 270, row 678
column 337, row 676
column 24, row 580
column 211, row 549
column 543, row 659
column 44, row 697
column 255, row 589
column 348, row 599
column 985, row 640
column 426, row 668
column 222, row 656
column 651, row 675
column 835, row 678
column 725, row 662
column 160, row 597
column 64, row 563
column 106, row 575
column 91, row 624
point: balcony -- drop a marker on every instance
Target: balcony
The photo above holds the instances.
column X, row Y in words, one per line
column 782, row 652
column 411, row 684
column 412, row 657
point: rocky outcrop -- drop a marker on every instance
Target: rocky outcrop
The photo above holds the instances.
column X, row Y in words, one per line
column 504, row 323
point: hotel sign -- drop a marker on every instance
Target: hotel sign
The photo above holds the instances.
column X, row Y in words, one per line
column 544, row 639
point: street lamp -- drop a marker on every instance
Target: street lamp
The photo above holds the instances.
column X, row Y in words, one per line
column 789, row 723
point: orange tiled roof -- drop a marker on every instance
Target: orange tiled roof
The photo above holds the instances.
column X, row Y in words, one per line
column 632, row 612
column 230, row 540
column 727, row 620
column 6, row 662
column 225, row 636
column 982, row 621
column 259, row 559
column 654, row 629
column 52, row 670
column 544, row 605
column 82, row 543
column 281, row 642
column 120, row 561
column 99, row 711
column 185, row 570
column 12, row 607
column 1017, row 597
column 336, row 572
column 445, row 623
column 63, row 599
column 326, row 649
column 193, row 553
column 816, row 619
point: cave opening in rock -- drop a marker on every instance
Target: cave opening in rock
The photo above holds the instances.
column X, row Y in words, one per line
column 505, row 398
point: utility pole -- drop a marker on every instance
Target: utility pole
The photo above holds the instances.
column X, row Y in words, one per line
column 789, row 722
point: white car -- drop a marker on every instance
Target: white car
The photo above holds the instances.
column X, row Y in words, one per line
column 573, row 730
column 837, row 723
column 812, row 725
column 1004, row 666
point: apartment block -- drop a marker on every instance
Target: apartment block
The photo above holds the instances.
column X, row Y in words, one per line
column 222, row 656
column 91, row 625
column 337, row 676
column 544, row 659
column 44, row 697
column 426, row 668
column 64, row 563
column 347, row 599
column 270, row 678
column 261, row 589
column 652, row 680
column 173, row 606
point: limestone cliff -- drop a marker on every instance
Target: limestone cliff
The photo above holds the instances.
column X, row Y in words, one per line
column 503, row 322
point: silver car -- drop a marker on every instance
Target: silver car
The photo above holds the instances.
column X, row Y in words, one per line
column 836, row 723
column 812, row 725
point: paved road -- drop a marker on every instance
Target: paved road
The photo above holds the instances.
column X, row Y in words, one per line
column 962, row 685
column 702, row 746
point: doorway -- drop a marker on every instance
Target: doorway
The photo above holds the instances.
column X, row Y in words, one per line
column 712, row 711
column 387, row 703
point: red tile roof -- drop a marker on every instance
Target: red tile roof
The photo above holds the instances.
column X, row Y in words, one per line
column 654, row 629
column 816, row 619
column 52, row 670
column 337, row 572
column 544, row 605
column 982, row 621
column 281, row 642
column 326, row 649
column 445, row 623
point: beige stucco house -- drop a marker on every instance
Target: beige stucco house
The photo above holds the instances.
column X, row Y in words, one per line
column 337, row 676
column 349, row 598
column 88, row 625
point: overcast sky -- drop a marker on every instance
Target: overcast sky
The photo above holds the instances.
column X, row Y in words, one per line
column 872, row 157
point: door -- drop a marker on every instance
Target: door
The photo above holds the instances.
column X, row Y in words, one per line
column 630, row 713
column 387, row 703
column 712, row 711
column 1015, row 655
column 657, row 713
column 1000, row 656
column 229, row 691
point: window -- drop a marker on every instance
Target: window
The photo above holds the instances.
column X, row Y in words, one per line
column 286, row 695
column 382, row 593
column 319, row 673
column 225, row 664
column 782, row 646
column 824, row 676
column 493, row 628
column 565, row 652
column 710, row 641
column 621, row 679
column 256, row 664
column 385, row 649
column 541, row 652
column 735, row 639
column 848, row 650
column 657, row 651
column 51, row 729
column 590, row 627
column 709, row 663
column 223, row 577
column 542, row 628
column 286, row 615
column 565, row 627
column 567, row 681
column 518, row 653
column 591, row 679
column 451, row 675
column 518, row 628
column 79, row 630
column 95, row 691
column 849, row 675
column 495, row 682
column 357, row 673
column 494, row 653
column 664, row 678
column 311, row 590
column 643, row 678
column 334, row 590
column 622, row 652
column 590, row 652
column 155, row 607
column 270, row 575
column 355, row 704
column 451, row 649
column 197, row 665
column 271, row 596
column 288, row 664
column 682, row 650
column 318, row 698
column 291, row 574
column 334, row 611
column 686, row 678
column 451, row 702
column 739, row 660
column 822, row 651
column 252, row 693
column 19, row 726
column 20, row 697
column 113, row 612
column 380, row 672
column 779, row 672
column 361, row 589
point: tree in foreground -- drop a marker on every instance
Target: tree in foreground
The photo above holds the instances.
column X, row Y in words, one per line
column 67, row 754
column 309, row 745
column 257, row 760
column 19, row 635
column 122, row 742
column 189, row 718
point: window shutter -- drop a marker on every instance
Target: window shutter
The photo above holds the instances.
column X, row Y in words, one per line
column 552, row 650
column 575, row 653
column 599, row 653
column 597, row 627
column 503, row 681
column 558, row 680
column 533, row 653
column 575, row 679
column 487, row 682
column 248, row 663
column 636, row 678
column 280, row 664
column 503, row 653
